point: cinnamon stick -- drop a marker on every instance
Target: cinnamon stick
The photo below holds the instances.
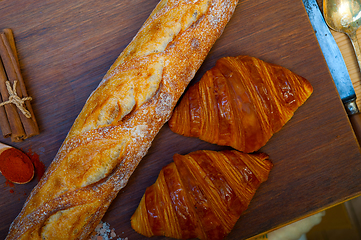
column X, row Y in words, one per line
column 13, row 72
column 17, row 130
column 4, row 123
column 10, row 37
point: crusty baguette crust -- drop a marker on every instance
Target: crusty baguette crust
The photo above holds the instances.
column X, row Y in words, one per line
column 120, row 119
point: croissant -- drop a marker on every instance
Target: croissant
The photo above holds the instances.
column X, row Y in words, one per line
column 241, row 103
column 200, row 195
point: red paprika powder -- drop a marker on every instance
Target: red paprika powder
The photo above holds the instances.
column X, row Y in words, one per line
column 38, row 165
column 16, row 166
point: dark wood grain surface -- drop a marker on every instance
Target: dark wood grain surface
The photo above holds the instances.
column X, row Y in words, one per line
column 66, row 47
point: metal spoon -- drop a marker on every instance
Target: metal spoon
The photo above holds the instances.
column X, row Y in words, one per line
column 344, row 16
column 26, row 160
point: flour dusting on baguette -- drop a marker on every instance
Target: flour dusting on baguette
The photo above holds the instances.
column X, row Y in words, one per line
column 120, row 119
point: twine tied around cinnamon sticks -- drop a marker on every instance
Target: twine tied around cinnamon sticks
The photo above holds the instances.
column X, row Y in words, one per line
column 15, row 99
column 17, row 119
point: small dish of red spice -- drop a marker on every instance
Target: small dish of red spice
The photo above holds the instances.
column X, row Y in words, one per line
column 15, row 165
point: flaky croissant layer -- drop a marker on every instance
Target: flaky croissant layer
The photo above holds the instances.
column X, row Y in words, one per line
column 200, row 195
column 241, row 103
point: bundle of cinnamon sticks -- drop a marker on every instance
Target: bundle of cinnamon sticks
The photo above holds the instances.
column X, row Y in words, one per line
column 17, row 119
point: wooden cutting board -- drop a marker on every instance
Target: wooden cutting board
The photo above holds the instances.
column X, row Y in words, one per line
column 66, row 47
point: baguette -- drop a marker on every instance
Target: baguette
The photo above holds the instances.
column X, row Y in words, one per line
column 120, row 119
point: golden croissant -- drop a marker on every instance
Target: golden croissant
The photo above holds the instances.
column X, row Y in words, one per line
column 241, row 103
column 200, row 195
